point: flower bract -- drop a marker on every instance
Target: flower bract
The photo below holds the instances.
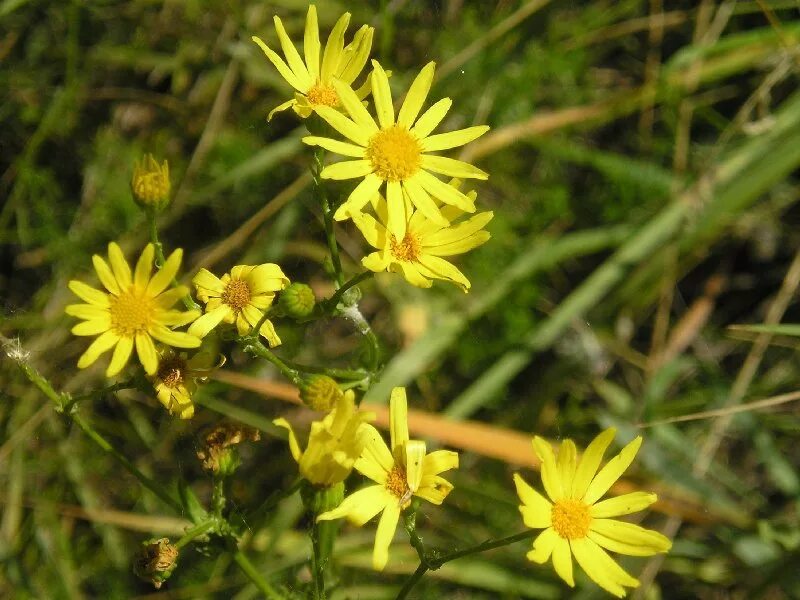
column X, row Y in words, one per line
column 334, row 444
column 399, row 473
column 577, row 523
column 135, row 309
column 239, row 297
column 313, row 79
column 418, row 256
column 397, row 151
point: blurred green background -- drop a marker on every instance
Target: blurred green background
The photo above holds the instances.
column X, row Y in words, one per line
column 642, row 160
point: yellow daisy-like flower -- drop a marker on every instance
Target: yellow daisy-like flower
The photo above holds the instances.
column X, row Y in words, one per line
column 397, row 151
column 135, row 310
column 176, row 380
column 334, row 444
column 400, row 473
column 312, row 80
column 239, row 297
column 418, row 256
column 576, row 524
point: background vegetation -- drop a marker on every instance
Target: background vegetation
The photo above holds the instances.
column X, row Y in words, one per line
column 642, row 165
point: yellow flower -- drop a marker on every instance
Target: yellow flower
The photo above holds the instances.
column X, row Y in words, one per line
column 398, row 152
column 400, row 473
column 334, row 444
column 150, row 183
column 239, row 297
column 176, row 380
column 312, row 80
column 136, row 309
column 418, row 257
column 575, row 523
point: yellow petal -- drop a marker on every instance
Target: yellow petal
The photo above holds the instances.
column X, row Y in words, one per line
column 623, row 505
column 311, row 45
column 104, row 273
column 452, row 139
column 354, row 107
column 398, row 418
column 119, row 266
column 384, row 535
column 648, row 541
column 268, row 332
column 414, row 457
column 294, row 446
column 459, row 232
column 336, row 146
column 434, row 489
column 444, row 192
column 420, row 198
column 178, row 339
column 333, row 48
column 267, row 278
column 451, row 167
column 396, row 222
column 120, row 357
column 206, row 279
column 550, row 480
column 292, row 56
column 567, row 456
column 590, row 461
column 282, row 67
column 92, row 327
column 349, row 169
column 144, row 266
column 543, row 546
column 461, row 246
column 363, row 193
column 88, row 293
column 377, row 261
column 439, row 461
column 601, row 568
column 177, row 317
column 86, row 311
column 166, row 273
column 373, row 232
column 417, row 94
column 375, row 451
column 612, row 471
column 343, row 125
column 147, row 353
column 382, row 95
column 412, row 275
column 444, row 270
column 359, row 507
column 562, row 561
column 101, row 345
column 536, row 510
column 203, row 325
column 431, row 118
column 281, row 107
column 359, row 48
column 167, row 299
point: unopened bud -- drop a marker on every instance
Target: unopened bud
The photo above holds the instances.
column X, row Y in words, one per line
column 150, row 183
column 318, row 500
column 320, row 392
column 155, row 561
column 297, row 300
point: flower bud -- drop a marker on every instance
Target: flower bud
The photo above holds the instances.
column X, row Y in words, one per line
column 297, row 300
column 318, row 500
column 219, row 454
column 155, row 561
column 150, row 183
column 320, row 392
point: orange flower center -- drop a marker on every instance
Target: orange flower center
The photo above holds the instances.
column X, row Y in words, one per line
column 397, row 484
column 571, row 519
column 170, row 371
column 395, row 153
column 408, row 250
column 321, row 94
column 130, row 314
column 236, row 294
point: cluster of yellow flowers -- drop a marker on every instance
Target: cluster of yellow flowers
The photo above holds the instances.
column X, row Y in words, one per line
column 412, row 219
column 420, row 218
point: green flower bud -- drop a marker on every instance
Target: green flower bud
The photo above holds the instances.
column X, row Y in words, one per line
column 150, row 183
column 320, row 392
column 155, row 561
column 318, row 500
column 297, row 300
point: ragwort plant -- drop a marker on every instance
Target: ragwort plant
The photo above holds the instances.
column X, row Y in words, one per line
column 412, row 207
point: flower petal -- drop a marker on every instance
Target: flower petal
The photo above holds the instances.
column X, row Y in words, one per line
column 423, row 202
column 144, row 266
column 648, row 541
column 204, row 324
column 294, row 446
column 439, row 461
column 296, row 63
column 451, row 167
column 444, row 192
column 349, row 169
column 360, row 506
column 92, row 327
column 166, row 273
column 444, row 270
column 355, row 108
column 562, row 561
column 567, row 458
column 88, row 293
column 206, row 279
column 590, row 461
column 612, row 471
column 397, row 218
column 536, row 510
column 356, row 53
column 416, row 96
column 101, row 345
column 623, row 505
column 434, row 489
column 452, row 139
column 384, row 535
column 177, row 339
column 376, row 452
column 336, row 146
column 119, row 266
column 333, row 48
column 550, row 479
column 120, row 357
column 282, row 67
column 413, row 275
column 459, row 232
column 363, row 193
column 543, row 546
column 382, row 95
column 431, row 118
column 414, row 457
column 86, row 311
column 104, row 273
column 398, row 418
column 311, row 45
column 601, row 568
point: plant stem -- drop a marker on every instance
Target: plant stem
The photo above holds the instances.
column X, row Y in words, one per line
column 218, row 497
column 331, row 303
column 327, row 214
column 412, row 581
column 373, row 346
column 248, row 569
column 188, row 301
column 317, row 563
column 258, row 349
column 483, row 547
column 330, row 371
column 195, row 532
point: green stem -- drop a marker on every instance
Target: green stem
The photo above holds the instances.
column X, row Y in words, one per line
column 317, row 562
column 412, row 581
column 123, row 460
column 256, row 348
column 330, row 371
column 188, row 301
column 218, row 497
column 327, row 214
column 248, row 569
column 331, row 303
column 195, row 532
column 373, row 346
column 487, row 545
